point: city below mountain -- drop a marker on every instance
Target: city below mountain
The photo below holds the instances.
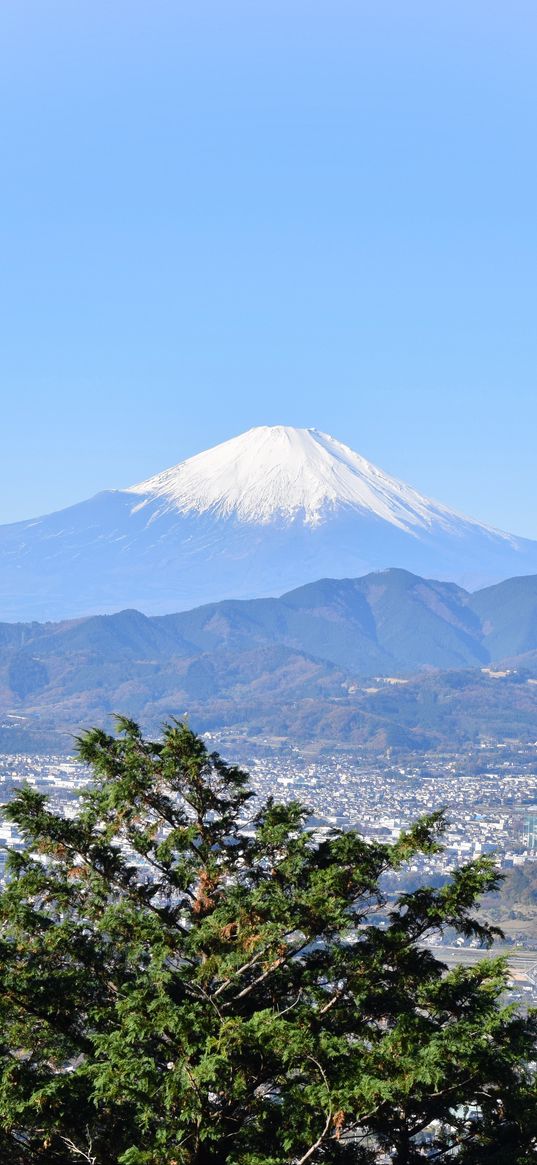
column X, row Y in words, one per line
column 444, row 665
column 267, row 511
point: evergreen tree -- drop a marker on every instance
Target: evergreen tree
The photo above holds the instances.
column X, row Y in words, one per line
column 187, row 978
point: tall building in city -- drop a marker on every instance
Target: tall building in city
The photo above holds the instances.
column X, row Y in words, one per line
column 529, row 836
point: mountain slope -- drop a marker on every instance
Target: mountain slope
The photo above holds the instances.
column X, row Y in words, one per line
column 258, row 515
column 278, row 472
column 291, row 668
column 301, row 659
column 508, row 616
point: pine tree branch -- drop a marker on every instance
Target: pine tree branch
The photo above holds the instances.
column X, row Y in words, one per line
column 327, row 1006
column 317, row 1144
column 245, row 967
column 87, row 1156
column 275, row 966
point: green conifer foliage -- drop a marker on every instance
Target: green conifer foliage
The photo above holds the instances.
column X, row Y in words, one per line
column 190, row 978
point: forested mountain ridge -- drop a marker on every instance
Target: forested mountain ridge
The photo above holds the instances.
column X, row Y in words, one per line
column 298, row 664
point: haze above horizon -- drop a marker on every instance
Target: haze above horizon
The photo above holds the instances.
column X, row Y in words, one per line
column 217, row 217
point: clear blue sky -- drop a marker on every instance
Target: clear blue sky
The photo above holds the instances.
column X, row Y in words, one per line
column 226, row 213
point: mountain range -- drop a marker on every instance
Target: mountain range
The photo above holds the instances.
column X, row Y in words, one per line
column 268, row 511
column 390, row 656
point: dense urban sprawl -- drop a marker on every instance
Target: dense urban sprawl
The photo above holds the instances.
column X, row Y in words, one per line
column 489, row 795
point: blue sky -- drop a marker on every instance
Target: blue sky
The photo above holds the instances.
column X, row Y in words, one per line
column 217, row 215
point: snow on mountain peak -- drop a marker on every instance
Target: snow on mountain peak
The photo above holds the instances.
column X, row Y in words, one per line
column 282, row 473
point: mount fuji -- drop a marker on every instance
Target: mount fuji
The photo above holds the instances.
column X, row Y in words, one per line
column 267, row 511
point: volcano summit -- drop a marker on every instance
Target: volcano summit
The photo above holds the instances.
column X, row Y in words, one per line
column 257, row 515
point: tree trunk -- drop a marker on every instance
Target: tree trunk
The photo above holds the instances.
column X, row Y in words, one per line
column 403, row 1147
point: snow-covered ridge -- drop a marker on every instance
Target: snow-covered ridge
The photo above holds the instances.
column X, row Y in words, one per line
column 277, row 472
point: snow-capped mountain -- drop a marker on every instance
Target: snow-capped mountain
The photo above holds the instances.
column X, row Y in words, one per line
column 267, row 511
column 280, row 473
